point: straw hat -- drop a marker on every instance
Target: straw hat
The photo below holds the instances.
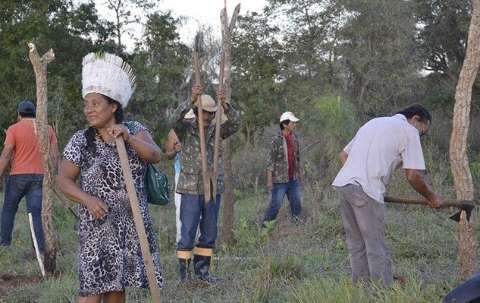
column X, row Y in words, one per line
column 209, row 105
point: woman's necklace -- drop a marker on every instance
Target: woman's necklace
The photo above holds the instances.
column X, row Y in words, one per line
column 110, row 142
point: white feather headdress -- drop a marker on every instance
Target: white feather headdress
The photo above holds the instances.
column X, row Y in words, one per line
column 108, row 75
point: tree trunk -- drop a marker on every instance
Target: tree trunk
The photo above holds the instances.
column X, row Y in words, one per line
column 229, row 198
column 41, row 121
column 467, row 246
column 458, row 141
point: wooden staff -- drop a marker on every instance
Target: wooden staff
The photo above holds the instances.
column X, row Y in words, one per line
column 203, row 155
column 138, row 220
column 218, row 122
column 458, row 204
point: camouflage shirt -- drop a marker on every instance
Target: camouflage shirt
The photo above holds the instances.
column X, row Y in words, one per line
column 190, row 179
column 277, row 159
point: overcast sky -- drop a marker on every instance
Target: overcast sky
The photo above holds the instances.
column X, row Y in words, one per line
column 206, row 12
column 195, row 12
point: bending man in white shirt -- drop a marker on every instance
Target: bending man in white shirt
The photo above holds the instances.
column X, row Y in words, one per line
column 379, row 147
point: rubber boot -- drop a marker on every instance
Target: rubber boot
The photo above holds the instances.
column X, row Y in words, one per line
column 184, row 269
column 201, row 266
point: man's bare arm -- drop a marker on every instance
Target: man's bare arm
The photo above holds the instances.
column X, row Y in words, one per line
column 343, row 156
column 5, row 157
column 269, row 180
column 416, row 178
column 172, row 145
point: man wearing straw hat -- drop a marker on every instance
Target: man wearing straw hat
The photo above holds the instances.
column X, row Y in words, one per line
column 194, row 210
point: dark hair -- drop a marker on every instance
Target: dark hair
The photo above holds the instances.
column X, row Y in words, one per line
column 91, row 132
column 195, row 111
column 27, row 115
column 416, row 110
column 284, row 123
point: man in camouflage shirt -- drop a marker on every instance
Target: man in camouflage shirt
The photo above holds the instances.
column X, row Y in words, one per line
column 194, row 210
column 283, row 169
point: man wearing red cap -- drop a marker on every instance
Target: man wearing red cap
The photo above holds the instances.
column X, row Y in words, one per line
column 283, row 169
column 22, row 151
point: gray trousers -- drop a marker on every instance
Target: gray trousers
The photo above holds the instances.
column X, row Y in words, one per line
column 364, row 224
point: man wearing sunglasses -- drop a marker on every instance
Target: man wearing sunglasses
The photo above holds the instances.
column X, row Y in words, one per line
column 379, row 147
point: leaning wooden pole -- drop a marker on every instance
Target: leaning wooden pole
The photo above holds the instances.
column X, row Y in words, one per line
column 218, row 122
column 229, row 198
column 40, row 69
column 462, row 176
column 138, row 220
column 201, row 128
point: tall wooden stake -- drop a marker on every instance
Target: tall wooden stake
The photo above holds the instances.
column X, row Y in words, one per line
column 218, row 122
column 203, row 154
column 40, row 69
column 229, row 198
column 458, row 142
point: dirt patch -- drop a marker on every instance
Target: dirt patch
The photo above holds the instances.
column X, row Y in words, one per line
column 9, row 282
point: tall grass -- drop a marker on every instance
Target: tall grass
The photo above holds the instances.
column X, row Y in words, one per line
column 283, row 263
column 344, row 291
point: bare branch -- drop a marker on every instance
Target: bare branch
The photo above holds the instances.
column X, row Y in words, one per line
column 236, row 11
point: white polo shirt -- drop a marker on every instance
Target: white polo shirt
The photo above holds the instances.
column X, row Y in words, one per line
column 380, row 146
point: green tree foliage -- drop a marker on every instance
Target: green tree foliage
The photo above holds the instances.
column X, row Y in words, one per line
column 160, row 64
column 443, row 29
column 53, row 24
column 309, row 44
column 379, row 53
column 256, row 56
column 309, row 35
column 125, row 14
column 442, row 37
column 73, row 31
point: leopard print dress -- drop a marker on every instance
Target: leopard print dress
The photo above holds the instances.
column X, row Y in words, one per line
column 109, row 253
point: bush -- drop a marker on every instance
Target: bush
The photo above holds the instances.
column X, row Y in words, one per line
column 323, row 131
column 328, row 127
column 249, row 165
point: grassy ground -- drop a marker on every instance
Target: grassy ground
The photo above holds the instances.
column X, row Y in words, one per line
column 284, row 263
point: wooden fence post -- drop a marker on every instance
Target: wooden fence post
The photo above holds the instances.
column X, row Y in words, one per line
column 40, row 69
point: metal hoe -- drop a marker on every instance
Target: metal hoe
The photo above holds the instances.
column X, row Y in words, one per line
column 466, row 206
